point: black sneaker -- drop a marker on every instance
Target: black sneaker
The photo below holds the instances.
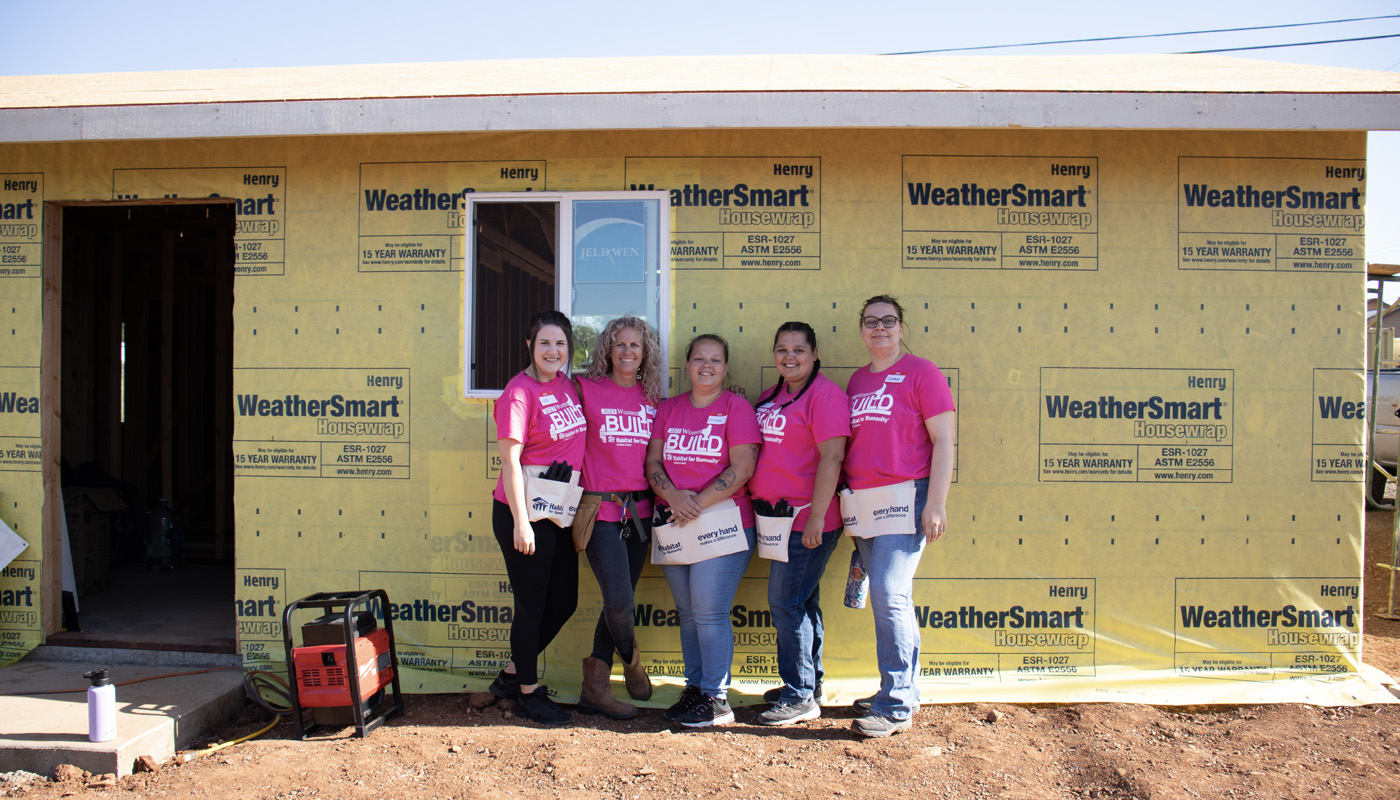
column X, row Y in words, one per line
column 506, row 686
column 709, row 711
column 772, row 696
column 788, row 713
column 538, row 707
column 689, row 697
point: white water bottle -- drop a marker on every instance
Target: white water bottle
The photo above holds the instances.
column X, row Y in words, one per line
column 102, row 707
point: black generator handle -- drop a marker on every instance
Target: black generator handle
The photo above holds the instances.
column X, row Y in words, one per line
column 350, row 600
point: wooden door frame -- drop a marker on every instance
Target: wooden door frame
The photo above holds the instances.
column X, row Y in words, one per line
column 51, row 395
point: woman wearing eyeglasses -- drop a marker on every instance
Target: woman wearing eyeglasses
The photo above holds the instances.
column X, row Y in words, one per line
column 902, row 439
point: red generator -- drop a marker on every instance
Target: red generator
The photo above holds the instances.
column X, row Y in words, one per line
column 345, row 663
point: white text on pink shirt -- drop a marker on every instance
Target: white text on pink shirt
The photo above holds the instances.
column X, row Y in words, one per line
column 698, row 444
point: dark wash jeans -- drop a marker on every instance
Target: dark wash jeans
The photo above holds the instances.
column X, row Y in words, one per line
column 617, row 564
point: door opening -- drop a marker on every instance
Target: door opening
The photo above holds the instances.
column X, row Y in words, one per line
column 147, row 423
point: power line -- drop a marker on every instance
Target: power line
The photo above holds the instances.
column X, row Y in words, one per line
column 1159, row 36
column 1295, row 44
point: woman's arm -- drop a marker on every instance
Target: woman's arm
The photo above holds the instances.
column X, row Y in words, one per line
column 513, row 483
column 682, row 501
column 833, row 453
column 943, row 431
column 742, row 460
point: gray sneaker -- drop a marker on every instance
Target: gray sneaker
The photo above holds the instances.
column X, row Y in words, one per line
column 863, row 704
column 878, row 726
column 788, row 713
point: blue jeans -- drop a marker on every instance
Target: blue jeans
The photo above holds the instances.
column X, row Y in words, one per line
column 704, row 594
column 891, row 562
column 617, row 564
column 794, row 597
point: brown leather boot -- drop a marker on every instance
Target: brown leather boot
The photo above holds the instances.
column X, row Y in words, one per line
column 638, row 682
column 597, row 697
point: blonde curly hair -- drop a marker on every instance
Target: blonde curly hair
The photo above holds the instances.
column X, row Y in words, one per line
column 650, row 374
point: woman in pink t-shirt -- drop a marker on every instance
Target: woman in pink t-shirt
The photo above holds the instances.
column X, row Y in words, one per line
column 703, row 449
column 805, row 419
column 620, row 395
column 902, row 429
column 538, row 422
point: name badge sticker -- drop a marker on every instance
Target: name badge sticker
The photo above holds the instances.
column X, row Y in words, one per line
column 547, row 399
column 717, row 419
column 895, row 377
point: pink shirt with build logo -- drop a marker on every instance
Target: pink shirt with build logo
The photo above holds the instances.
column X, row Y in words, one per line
column 696, row 441
column 619, row 428
column 787, row 465
column 889, row 442
column 545, row 417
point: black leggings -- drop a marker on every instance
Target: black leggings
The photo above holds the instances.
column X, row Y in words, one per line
column 545, row 587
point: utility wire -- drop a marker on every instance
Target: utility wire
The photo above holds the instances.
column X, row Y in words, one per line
column 1158, row 36
column 1295, row 44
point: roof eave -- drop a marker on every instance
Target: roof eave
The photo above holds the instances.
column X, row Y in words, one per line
column 1356, row 111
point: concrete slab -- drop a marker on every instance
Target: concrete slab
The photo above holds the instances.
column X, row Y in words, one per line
column 43, row 712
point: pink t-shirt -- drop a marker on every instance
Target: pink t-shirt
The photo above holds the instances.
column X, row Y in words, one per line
column 787, row 465
column 889, row 442
column 545, row 417
column 696, row 441
column 619, row 427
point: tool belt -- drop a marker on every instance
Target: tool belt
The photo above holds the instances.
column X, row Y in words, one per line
column 588, row 513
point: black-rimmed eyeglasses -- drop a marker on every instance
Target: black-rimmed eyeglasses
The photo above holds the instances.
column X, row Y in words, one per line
column 873, row 322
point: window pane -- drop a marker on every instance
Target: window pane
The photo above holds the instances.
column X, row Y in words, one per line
column 514, row 278
column 615, row 266
column 592, row 255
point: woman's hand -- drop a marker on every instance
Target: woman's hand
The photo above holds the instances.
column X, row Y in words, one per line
column 684, row 506
column 812, row 532
column 942, row 431
column 934, row 523
column 524, row 537
column 513, row 481
column 833, row 452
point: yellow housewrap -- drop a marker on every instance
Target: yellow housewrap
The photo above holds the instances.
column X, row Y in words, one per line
column 21, row 486
column 1154, row 341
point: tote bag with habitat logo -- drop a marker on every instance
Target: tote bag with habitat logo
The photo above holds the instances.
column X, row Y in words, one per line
column 879, row 511
column 555, row 501
column 774, row 532
column 718, row 531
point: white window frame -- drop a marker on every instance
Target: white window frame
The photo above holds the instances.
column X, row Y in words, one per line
column 564, row 293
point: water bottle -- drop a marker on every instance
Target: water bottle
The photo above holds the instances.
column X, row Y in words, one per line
column 102, row 707
column 857, row 582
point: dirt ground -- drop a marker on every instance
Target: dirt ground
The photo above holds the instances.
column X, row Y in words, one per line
column 446, row 747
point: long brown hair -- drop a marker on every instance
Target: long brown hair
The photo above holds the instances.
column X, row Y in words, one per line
column 549, row 317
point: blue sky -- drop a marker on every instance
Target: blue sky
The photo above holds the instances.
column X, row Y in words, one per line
column 77, row 36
